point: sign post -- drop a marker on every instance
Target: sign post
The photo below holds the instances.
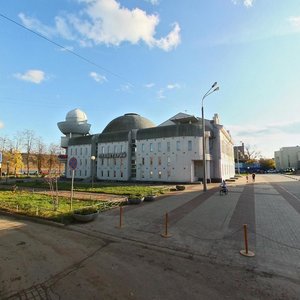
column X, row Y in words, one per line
column 0, row 165
column 73, row 166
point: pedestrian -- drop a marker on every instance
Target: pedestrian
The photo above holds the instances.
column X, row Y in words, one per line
column 247, row 177
column 253, row 177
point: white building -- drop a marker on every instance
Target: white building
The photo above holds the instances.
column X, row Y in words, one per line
column 287, row 158
column 132, row 148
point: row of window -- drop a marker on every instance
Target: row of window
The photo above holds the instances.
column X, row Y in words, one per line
column 151, row 147
column 79, row 151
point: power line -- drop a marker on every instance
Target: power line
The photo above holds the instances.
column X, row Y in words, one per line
column 66, row 49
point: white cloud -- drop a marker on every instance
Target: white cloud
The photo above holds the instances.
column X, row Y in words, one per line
column 295, row 22
column 153, row 2
column 107, row 22
column 98, row 77
column 172, row 86
column 149, row 85
column 160, row 94
column 268, row 138
column 35, row 76
column 247, row 3
column 1, row 124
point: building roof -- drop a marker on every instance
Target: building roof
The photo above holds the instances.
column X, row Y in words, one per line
column 128, row 122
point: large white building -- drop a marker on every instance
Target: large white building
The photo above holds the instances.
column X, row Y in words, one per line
column 287, row 158
column 132, row 148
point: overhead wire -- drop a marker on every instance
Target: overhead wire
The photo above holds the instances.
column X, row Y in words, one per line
column 87, row 60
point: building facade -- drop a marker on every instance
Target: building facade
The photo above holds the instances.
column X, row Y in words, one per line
column 287, row 158
column 132, row 148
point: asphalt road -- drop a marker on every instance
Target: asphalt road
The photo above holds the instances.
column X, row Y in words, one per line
column 200, row 260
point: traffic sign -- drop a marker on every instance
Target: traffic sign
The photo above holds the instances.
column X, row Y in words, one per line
column 73, row 163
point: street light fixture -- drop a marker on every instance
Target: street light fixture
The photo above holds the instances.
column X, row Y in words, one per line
column 93, row 162
column 213, row 89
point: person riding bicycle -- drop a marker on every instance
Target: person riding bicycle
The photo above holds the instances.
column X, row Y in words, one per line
column 224, row 186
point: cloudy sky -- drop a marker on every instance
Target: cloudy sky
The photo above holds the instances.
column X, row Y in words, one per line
column 155, row 58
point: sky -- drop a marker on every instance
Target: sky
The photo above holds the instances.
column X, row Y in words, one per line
column 155, row 58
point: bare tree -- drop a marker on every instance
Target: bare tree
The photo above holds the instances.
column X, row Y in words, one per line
column 252, row 154
column 29, row 140
column 40, row 153
column 54, row 150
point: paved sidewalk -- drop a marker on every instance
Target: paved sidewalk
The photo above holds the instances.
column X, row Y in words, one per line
column 211, row 225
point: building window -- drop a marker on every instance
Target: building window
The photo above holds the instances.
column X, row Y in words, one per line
column 178, row 145
column 79, row 172
column 168, row 147
column 151, row 161
column 159, row 160
column 143, row 160
column 159, row 174
column 143, row 147
column 80, row 162
column 85, row 172
column 121, row 150
column 121, row 174
column 189, row 145
column 168, row 160
column 85, row 162
column 159, row 147
column 169, row 173
column 101, row 173
column 103, row 149
column 108, row 149
column 71, row 151
column 114, row 173
column 86, row 151
column 107, row 173
column 151, row 174
column 151, row 147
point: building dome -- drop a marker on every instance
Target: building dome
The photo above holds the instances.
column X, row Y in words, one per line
column 76, row 115
column 128, row 122
column 75, row 123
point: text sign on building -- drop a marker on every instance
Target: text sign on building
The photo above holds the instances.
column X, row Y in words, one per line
column 112, row 155
column 73, row 163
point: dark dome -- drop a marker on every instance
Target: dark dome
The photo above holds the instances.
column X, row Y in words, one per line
column 128, row 122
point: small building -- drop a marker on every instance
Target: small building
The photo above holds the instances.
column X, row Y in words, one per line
column 287, row 158
column 132, row 148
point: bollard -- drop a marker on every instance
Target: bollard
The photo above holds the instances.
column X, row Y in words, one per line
column 246, row 251
column 166, row 234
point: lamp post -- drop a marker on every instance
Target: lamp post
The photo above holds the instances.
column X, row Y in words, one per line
column 213, row 88
column 93, row 162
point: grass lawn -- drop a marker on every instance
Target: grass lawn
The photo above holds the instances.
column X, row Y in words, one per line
column 44, row 206
column 103, row 187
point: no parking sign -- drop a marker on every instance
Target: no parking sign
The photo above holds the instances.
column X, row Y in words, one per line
column 73, row 163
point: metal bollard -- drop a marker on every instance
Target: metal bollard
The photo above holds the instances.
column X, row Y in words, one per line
column 246, row 251
column 166, row 234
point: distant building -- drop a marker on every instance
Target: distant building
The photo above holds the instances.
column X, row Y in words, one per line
column 132, row 148
column 287, row 158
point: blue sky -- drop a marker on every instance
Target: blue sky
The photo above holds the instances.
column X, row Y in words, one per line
column 155, row 58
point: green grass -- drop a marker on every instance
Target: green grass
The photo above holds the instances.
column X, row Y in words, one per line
column 43, row 205
column 105, row 188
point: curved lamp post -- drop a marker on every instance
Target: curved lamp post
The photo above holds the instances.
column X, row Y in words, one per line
column 213, row 88
column 93, row 171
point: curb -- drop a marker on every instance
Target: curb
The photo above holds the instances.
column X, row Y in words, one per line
column 32, row 219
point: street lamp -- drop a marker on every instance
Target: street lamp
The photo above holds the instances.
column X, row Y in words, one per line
column 93, row 162
column 213, row 88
